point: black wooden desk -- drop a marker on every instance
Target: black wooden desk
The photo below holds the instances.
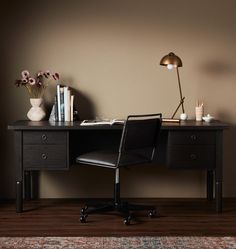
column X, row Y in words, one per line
column 54, row 146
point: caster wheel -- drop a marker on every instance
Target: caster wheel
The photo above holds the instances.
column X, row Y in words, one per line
column 152, row 213
column 83, row 218
column 127, row 220
column 82, row 211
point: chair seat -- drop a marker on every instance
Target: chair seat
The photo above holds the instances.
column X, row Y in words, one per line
column 99, row 158
column 109, row 159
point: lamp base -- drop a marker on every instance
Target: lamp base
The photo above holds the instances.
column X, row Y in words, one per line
column 183, row 116
column 171, row 120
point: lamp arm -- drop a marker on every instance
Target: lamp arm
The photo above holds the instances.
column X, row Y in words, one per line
column 180, row 103
column 180, row 91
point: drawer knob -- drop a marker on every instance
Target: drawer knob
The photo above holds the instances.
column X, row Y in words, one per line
column 193, row 156
column 44, row 137
column 193, row 137
column 44, row 156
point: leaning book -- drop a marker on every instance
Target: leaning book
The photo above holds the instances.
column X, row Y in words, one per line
column 102, row 122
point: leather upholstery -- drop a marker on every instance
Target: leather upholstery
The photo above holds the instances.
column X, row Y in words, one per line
column 109, row 159
column 99, row 158
column 137, row 146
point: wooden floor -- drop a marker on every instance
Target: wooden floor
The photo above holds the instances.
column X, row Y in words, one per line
column 178, row 217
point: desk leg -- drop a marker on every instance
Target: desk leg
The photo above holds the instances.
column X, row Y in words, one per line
column 210, row 183
column 19, row 199
column 19, row 171
column 219, row 171
column 218, row 187
column 28, row 185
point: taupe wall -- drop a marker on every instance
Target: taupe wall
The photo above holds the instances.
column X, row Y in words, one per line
column 109, row 51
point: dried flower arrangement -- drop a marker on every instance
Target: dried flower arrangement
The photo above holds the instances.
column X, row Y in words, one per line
column 36, row 85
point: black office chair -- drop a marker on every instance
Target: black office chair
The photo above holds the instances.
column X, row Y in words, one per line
column 137, row 146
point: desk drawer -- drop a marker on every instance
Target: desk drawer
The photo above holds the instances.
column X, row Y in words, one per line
column 45, row 157
column 191, row 137
column 191, row 157
column 44, row 137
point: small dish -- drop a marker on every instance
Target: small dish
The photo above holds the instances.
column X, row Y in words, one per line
column 208, row 118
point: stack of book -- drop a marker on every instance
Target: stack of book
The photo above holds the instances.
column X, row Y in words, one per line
column 63, row 106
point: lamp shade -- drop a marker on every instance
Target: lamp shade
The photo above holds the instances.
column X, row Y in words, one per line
column 171, row 59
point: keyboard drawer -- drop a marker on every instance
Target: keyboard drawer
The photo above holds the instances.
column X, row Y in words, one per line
column 44, row 137
column 46, row 157
column 191, row 137
column 191, row 157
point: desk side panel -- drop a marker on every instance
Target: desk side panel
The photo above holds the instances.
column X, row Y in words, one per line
column 191, row 149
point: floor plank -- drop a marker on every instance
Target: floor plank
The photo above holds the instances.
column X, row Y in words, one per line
column 60, row 217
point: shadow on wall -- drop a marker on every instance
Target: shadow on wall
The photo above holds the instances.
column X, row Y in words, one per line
column 217, row 67
column 83, row 104
column 5, row 137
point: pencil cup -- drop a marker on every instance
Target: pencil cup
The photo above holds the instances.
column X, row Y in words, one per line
column 199, row 113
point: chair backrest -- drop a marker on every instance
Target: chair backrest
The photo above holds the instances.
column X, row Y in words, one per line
column 140, row 136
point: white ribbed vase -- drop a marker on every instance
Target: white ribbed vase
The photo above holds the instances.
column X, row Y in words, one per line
column 36, row 112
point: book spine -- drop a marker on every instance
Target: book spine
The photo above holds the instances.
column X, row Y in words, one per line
column 66, row 104
column 62, row 104
column 58, row 102
column 72, row 107
column 56, row 109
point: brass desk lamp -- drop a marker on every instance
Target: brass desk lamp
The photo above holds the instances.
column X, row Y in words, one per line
column 170, row 61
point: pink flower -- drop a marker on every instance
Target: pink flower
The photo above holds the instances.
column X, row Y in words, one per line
column 40, row 73
column 32, row 81
column 55, row 76
column 47, row 74
column 25, row 74
column 24, row 81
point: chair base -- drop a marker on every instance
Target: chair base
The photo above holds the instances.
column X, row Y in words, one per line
column 125, row 209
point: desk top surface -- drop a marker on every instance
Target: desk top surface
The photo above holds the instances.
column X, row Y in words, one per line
column 46, row 125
